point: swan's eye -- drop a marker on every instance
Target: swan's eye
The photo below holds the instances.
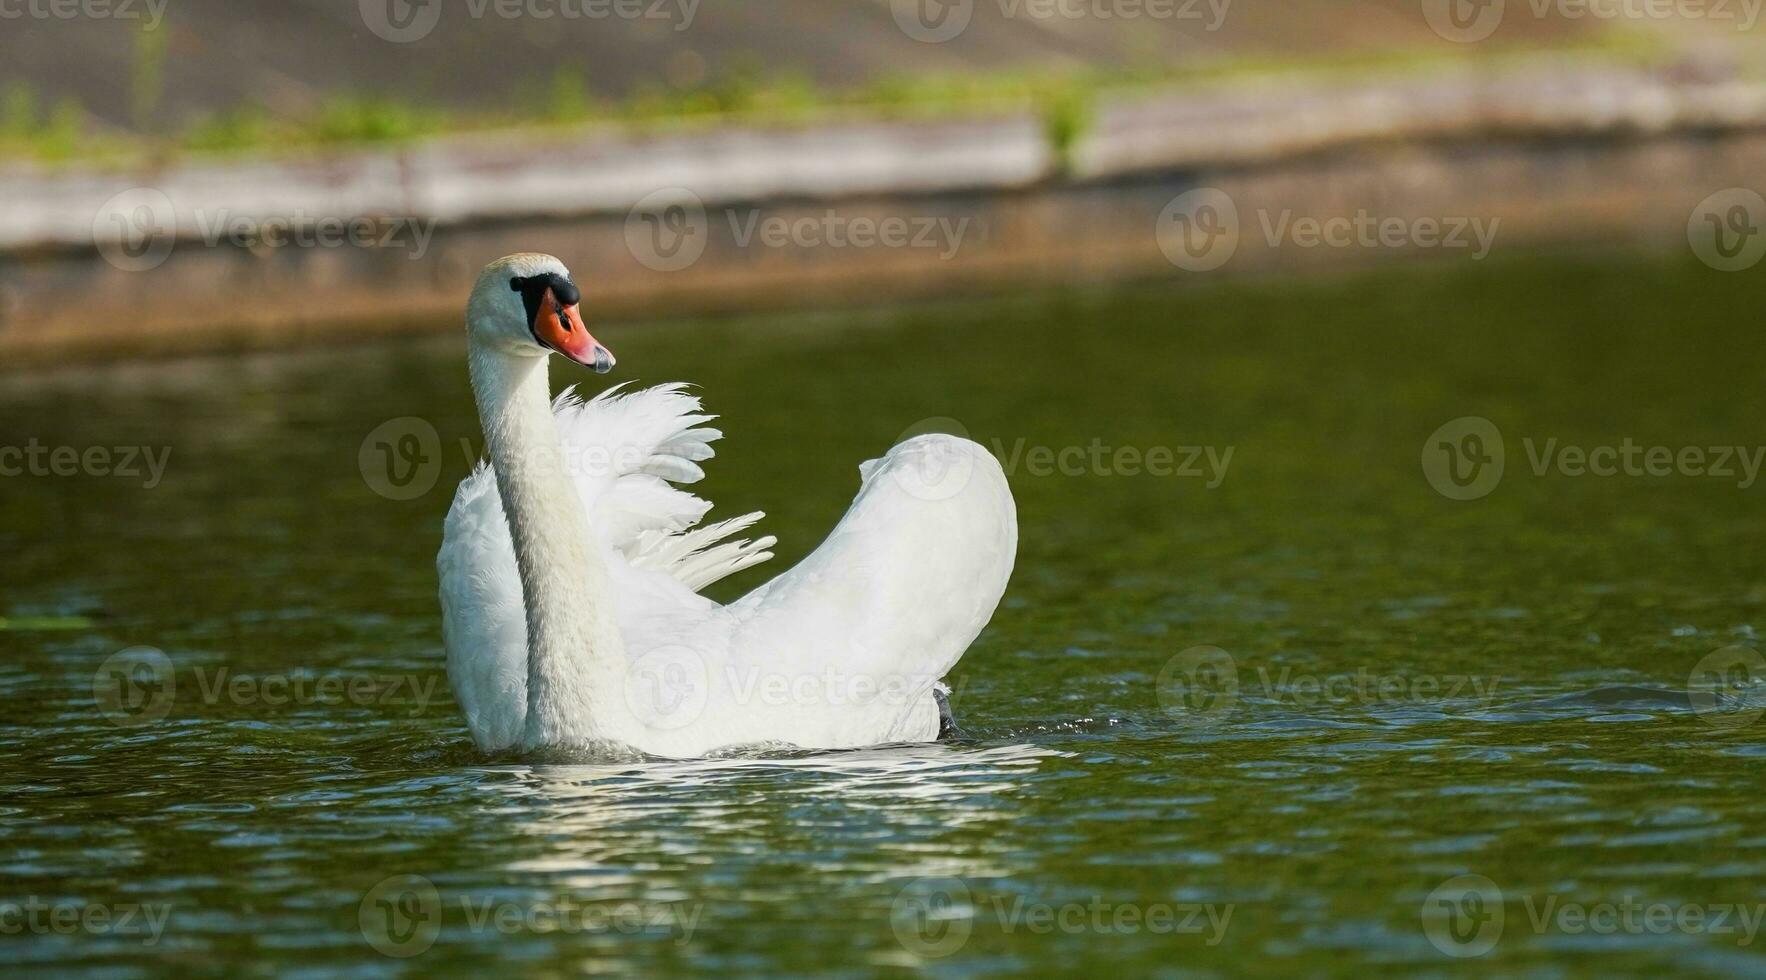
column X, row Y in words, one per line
column 516, row 283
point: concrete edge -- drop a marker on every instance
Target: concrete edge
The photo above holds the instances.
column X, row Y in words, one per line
column 482, row 177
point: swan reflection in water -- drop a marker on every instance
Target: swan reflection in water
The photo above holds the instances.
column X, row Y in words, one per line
column 890, row 810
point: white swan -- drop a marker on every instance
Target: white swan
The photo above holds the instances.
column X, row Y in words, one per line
column 570, row 567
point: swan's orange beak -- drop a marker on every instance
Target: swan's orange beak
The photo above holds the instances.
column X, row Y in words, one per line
column 561, row 328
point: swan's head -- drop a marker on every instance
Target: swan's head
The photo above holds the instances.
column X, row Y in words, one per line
column 527, row 305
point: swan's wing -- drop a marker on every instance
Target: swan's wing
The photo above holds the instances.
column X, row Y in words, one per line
column 891, row 599
column 624, row 451
column 484, row 625
column 627, row 452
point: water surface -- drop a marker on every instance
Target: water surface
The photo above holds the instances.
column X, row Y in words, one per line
column 1409, row 688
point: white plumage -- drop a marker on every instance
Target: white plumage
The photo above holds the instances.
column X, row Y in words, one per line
column 843, row 650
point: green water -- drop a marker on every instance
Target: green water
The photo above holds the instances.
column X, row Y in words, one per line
column 1425, row 687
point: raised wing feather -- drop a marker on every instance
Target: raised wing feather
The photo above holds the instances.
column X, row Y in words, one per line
column 630, row 449
column 893, row 597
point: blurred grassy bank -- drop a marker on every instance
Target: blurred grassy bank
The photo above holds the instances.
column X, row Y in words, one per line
column 37, row 129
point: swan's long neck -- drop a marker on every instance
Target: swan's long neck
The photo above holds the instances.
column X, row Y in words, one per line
column 575, row 656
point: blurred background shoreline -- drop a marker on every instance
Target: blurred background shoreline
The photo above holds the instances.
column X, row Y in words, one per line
column 349, row 166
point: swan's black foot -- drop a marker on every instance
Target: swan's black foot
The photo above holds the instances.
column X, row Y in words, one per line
column 947, row 722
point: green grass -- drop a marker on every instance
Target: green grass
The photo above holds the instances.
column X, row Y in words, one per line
column 50, row 133
column 1065, row 101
